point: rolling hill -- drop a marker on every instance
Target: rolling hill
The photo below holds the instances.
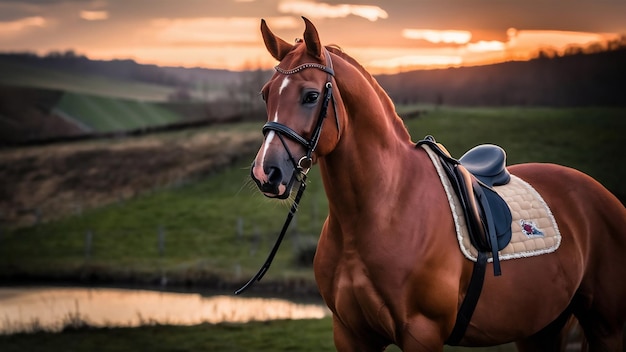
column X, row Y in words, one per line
column 65, row 96
column 71, row 98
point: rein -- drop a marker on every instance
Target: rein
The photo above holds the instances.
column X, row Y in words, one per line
column 303, row 165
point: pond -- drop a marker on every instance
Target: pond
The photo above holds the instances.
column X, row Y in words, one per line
column 24, row 309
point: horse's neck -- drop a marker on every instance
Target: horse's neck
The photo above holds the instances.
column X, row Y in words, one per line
column 374, row 155
column 369, row 97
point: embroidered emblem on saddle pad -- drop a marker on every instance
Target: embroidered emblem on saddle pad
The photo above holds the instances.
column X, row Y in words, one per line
column 533, row 226
column 530, row 229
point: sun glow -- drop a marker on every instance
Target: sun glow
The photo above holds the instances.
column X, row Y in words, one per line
column 522, row 44
column 455, row 48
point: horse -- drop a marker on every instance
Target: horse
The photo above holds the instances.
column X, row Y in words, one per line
column 388, row 263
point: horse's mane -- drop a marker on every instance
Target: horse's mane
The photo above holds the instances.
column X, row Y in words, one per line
column 368, row 76
column 383, row 96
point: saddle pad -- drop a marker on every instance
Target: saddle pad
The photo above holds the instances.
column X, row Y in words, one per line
column 533, row 226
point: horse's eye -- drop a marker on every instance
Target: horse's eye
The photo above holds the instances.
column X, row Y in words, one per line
column 310, row 97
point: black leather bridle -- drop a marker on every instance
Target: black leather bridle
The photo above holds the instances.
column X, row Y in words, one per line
column 302, row 166
column 283, row 130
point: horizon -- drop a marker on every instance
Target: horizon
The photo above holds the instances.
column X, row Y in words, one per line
column 386, row 37
column 541, row 53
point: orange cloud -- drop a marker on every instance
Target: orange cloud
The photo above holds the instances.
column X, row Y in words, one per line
column 212, row 29
column 484, row 46
column 323, row 10
column 413, row 61
column 438, row 36
column 14, row 27
column 94, row 15
column 231, row 57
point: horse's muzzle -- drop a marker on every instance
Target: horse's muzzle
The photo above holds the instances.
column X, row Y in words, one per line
column 272, row 183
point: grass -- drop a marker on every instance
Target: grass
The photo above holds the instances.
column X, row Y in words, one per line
column 199, row 223
column 105, row 114
column 281, row 335
column 14, row 74
column 588, row 139
column 219, row 230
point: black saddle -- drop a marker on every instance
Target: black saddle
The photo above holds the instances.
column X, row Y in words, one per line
column 472, row 177
column 487, row 215
column 487, row 162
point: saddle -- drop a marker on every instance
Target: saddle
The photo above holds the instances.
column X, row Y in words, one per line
column 487, row 215
column 472, row 177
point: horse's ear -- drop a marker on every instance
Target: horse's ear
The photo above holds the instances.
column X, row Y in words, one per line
column 276, row 46
column 312, row 39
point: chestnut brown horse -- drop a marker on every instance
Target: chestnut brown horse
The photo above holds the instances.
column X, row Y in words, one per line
column 388, row 263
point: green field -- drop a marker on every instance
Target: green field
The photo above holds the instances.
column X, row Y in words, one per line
column 105, row 114
column 14, row 74
column 217, row 231
column 587, row 139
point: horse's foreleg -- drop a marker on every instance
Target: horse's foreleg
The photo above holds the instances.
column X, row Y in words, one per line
column 422, row 334
column 346, row 340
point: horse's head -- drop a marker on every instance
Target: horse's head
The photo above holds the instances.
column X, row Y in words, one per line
column 303, row 124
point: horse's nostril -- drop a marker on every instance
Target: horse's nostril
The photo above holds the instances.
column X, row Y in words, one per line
column 274, row 176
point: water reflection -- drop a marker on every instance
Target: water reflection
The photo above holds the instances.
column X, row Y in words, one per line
column 25, row 309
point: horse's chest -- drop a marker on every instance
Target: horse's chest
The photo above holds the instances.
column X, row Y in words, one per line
column 358, row 303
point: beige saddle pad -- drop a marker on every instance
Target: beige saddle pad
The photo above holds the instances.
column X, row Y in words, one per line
column 533, row 226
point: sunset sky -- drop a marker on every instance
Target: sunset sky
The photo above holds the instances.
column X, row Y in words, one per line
column 385, row 36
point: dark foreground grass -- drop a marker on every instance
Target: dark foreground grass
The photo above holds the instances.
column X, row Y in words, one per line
column 282, row 335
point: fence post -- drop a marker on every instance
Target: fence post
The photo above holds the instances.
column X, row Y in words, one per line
column 161, row 245
column 37, row 216
column 256, row 241
column 239, row 228
column 161, row 239
column 88, row 242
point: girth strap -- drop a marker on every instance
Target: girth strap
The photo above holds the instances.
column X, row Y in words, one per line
column 464, row 315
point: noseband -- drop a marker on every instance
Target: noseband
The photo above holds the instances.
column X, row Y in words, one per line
column 305, row 163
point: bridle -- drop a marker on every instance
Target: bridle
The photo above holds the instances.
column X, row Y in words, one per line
column 302, row 166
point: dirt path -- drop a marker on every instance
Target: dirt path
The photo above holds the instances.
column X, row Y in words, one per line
column 46, row 182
